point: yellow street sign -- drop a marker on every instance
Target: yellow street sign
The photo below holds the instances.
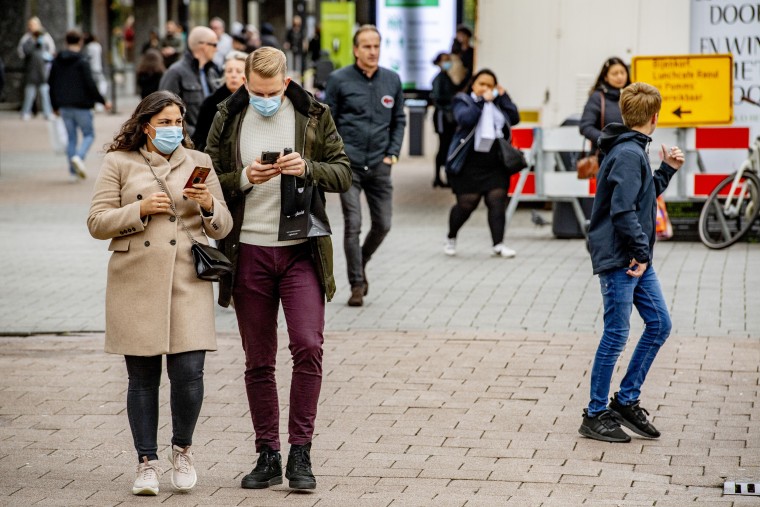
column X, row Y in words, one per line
column 696, row 89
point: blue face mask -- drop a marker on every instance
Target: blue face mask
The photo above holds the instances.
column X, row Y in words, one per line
column 167, row 139
column 446, row 65
column 265, row 107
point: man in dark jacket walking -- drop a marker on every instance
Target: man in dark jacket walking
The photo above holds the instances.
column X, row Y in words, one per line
column 368, row 106
column 73, row 94
column 621, row 238
column 269, row 114
column 195, row 76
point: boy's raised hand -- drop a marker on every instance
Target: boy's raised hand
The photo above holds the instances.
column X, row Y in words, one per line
column 673, row 157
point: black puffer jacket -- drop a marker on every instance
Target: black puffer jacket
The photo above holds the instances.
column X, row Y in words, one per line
column 71, row 83
column 625, row 206
column 369, row 113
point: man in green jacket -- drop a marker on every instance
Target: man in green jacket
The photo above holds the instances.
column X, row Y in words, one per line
column 272, row 114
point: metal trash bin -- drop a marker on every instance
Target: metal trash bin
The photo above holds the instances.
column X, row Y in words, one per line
column 417, row 111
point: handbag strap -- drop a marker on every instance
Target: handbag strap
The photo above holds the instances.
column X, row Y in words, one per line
column 171, row 201
column 601, row 122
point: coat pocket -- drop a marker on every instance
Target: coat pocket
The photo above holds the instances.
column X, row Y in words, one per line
column 119, row 245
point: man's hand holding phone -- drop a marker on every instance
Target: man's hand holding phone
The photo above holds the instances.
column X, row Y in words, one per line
column 271, row 163
column 291, row 163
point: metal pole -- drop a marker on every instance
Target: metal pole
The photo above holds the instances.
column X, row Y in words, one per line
column 233, row 14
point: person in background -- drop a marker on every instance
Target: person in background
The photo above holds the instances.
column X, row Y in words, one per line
column 129, row 38
column 73, row 94
column 150, row 70
column 252, row 38
column 195, row 76
column 93, row 52
column 295, row 42
column 153, row 42
column 367, row 103
column 36, row 48
column 611, row 80
column 621, row 239
column 224, row 44
column 271, row 113
column 232, row 79
column 315, row 45
column 240, row 43
column 482, row 175
column 441, row 95
column 155, row 303
column 172, row 44
column 462, row 47
column 268, row 38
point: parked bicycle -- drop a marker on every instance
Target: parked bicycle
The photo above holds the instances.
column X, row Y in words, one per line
column 732, row 207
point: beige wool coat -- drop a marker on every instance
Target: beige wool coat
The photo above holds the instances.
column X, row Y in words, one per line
column 155, row 304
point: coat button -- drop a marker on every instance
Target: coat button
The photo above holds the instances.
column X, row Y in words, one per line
column 139, row 196
column 147, row 243
column 173, row 242
column 172, row 218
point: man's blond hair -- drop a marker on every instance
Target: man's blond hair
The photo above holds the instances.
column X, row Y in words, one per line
column 638, row 103
column 266, row 62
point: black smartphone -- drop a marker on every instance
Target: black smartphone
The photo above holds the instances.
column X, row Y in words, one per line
column 198, row 175
column 269, row 157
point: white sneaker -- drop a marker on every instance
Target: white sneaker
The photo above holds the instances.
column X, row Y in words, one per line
column 504, row 251
column 450, row 246
column 79, row 166
column 183, row 471
column 26, row 116
column 146, row 482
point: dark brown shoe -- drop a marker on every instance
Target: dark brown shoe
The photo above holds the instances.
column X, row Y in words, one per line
column 357, row 296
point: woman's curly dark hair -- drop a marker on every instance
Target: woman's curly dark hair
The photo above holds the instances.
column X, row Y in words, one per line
column 131, row 136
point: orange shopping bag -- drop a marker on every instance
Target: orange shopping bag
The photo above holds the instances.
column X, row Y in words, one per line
column 663, row 227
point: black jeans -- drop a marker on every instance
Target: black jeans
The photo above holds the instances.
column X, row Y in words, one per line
column 186, row 376
column 378, row 189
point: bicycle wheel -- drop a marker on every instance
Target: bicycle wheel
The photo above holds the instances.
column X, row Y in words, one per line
column 719, row 228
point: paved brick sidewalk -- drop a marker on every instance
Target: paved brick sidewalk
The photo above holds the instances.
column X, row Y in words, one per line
column 417, row 418
column 460, row 382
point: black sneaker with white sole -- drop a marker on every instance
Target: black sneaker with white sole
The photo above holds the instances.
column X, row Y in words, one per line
column 633, row 417
column 602, row 427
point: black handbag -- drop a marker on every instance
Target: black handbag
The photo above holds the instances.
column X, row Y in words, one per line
column 511, row 158
column 460, row 147
column 298, row 205
column 210, row 263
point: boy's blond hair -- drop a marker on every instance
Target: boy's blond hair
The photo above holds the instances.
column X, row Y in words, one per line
column 638, row 103
column 266, row 62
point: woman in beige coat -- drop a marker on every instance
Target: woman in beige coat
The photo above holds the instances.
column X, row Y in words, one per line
column 155, row 304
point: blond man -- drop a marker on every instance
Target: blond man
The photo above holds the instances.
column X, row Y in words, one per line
column 271, row 114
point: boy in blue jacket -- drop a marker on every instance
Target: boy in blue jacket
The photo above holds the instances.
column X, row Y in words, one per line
column 621, row 237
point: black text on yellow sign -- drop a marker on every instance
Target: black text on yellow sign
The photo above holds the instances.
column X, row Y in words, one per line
column 696, row 89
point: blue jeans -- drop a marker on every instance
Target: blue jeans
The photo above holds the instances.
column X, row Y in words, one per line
column 378, row 188
column 30, row 93
column 621, row 293
column 186, row 397
column 75, row 118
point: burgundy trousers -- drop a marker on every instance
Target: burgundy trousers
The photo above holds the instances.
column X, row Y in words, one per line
column 265, row 276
